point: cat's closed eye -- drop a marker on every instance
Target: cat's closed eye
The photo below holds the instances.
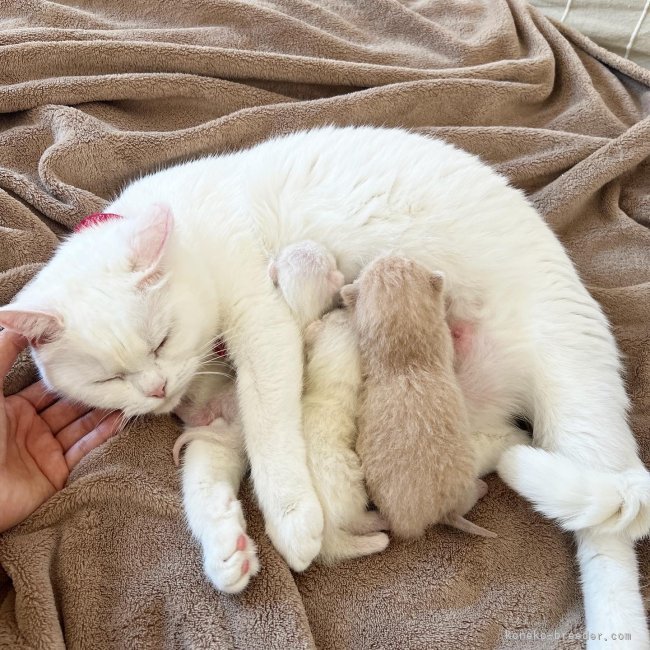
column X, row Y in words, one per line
column 114, row 378
column 161, row 344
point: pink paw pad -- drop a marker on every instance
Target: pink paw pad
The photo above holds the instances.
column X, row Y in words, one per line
column 244, row 567
column 241, row 543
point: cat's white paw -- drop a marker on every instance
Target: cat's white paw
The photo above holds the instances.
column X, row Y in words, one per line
column 229, row 555
column 297, row 531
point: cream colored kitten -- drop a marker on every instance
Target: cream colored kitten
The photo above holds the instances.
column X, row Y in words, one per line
column 414, row 440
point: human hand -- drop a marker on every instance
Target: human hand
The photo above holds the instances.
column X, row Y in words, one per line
column 41, row 439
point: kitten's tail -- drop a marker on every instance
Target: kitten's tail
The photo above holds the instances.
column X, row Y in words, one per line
column 579, row 497
column 456, row 521
column 341, row 545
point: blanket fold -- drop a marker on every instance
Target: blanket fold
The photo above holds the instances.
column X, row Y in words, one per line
column 91, row 95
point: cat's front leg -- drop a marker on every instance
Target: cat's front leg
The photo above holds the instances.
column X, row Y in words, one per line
column 212, row 469
column 268, row 355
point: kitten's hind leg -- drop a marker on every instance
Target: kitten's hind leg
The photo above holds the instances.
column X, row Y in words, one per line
column 490, row 442
column 368, row 522
column 212, row 471
column 341, row 545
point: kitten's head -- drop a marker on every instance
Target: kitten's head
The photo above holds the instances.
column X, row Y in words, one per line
column 308, row 278
column 396, row 302
column 105, row 324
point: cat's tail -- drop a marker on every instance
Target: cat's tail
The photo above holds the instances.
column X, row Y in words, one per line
column 577, row 496
column 341, row 545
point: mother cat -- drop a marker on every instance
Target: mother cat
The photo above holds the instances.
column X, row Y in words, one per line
column 124, row 313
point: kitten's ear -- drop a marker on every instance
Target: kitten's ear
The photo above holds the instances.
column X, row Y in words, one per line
column 349, row 294
column 437, row 281
column 335, row 279
column 38, row 327
column 312, row 331
column 273, row 272
column 148, row 243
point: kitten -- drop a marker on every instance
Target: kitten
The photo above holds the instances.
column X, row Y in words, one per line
column 333, row 377
column 129, row 326
column 413, row 441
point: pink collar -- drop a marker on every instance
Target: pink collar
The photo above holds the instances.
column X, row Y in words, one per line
column 95, row 219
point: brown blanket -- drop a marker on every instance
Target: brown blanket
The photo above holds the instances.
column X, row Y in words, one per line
column 94, row 93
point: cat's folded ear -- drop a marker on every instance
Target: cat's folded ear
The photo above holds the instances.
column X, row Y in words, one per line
column 148, row 242
column 273, row 272
column 349, row 294
column 437, row 281
column 38, row 327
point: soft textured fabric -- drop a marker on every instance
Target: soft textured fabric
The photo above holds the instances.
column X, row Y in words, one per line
column 93, row 94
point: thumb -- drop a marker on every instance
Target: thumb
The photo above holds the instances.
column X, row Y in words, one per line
column 11, row 345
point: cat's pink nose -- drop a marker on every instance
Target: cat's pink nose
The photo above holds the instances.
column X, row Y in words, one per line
column 158, row 391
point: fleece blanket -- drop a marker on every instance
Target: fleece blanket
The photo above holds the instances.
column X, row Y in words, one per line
column 93, row 92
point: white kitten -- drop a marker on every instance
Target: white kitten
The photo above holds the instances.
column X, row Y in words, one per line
column 333, row 378
column 97, row 321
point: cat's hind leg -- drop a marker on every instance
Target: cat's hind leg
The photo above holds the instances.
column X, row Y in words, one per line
column 586, row 473
column 212, row 471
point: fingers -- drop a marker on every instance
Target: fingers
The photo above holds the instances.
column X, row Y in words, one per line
column 100, row 434
column 62, row 413
column 11, row 345
column 38, row 396
column 76, row 430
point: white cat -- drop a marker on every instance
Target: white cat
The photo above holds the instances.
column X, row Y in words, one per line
column 123, row 314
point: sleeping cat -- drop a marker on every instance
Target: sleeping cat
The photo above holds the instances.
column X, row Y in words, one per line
column 129, row 326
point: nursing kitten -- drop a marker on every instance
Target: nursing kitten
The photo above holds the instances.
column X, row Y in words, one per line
column 329, row 404
column 129, row 326
column 413, row 440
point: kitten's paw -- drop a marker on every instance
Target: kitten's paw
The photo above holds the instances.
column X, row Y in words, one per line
column 369, row 522
column 297, row 531
column 229, row 555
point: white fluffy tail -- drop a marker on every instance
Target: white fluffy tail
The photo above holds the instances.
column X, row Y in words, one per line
column 577, row 496
column 341, row 545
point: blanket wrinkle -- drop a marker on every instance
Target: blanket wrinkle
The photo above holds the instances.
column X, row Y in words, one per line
column 94, row 94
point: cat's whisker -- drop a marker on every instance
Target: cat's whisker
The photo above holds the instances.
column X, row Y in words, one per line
column 218, row 374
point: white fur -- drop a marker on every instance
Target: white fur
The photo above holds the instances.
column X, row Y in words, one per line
column 306, row 274
column 332, row 381
column 360, row 192
column 213, row 465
